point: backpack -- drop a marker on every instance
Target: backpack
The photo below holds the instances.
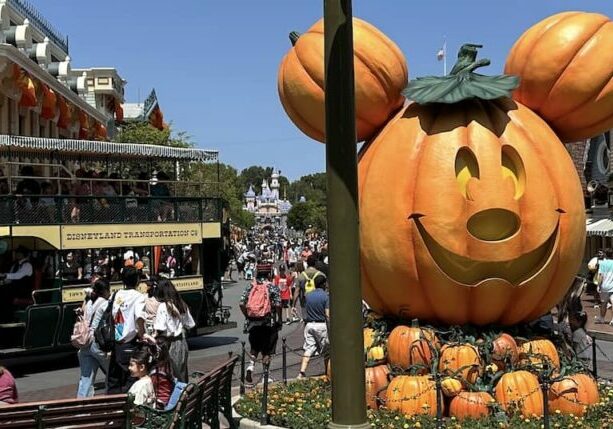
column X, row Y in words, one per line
column 81, row 336
column 309, row 285
column 258, row 303
column 105, row 331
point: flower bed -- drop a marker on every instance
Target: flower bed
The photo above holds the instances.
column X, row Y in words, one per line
column 305, row 404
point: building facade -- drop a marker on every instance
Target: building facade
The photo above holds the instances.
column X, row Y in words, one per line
column 269, row 208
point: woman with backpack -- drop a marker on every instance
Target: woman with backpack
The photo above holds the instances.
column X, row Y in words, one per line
column 171, row 321
column 91, row 358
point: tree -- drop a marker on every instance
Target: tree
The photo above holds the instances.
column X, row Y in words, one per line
column 312, row 187
column 304, row 215
column 143, row 132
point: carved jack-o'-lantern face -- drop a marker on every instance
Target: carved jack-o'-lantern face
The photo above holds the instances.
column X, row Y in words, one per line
column 470, row 213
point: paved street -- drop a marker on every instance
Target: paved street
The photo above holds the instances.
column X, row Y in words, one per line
column 58, row 378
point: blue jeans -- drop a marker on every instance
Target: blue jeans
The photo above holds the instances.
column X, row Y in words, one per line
column 90, row 360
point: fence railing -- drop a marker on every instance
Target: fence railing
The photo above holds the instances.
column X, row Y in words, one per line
column 53, row 210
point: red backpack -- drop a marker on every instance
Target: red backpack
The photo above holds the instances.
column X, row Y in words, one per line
column 258, row 303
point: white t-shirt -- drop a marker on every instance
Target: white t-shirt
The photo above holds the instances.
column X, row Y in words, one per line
column 291, row 256
column 143, row 391
column 172, row 326
column 128, row 306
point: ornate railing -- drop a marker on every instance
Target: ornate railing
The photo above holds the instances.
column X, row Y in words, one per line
column 53, row 210
column 36, row 18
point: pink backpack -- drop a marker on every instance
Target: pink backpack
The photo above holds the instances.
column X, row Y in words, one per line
column 258, row 303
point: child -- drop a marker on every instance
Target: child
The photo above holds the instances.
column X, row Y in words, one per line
column 141, row 363
column 249, row 270
column 161, row 375
column 582, row 343
column 284, row 283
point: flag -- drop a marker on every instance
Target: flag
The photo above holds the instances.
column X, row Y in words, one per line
column 440, row 55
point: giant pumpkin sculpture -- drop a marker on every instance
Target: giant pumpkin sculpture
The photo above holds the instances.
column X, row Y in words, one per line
column 471, row 210
column 565, row 63
column 380, row 76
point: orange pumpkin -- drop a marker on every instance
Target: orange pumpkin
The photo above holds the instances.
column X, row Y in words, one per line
column 573, row 393
column 473, row 405
column 504, row 348
column 410, row 345
column 376, row 380
column 412, row 395
column 451, row 387
column 380, row 75
column 469, row 213
column 565, row 63
column 461, row 361
column 539, row 351
column 519, row 391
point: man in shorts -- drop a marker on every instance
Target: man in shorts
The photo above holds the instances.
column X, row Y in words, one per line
column 263, row 331
column 605, row 285
column 317, row 315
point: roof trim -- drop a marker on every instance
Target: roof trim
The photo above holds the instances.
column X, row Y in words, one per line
column 109, row 148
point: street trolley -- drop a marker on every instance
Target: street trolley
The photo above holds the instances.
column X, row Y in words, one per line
column 81, row 209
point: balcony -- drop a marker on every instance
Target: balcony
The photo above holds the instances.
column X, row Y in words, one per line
column 37, row 20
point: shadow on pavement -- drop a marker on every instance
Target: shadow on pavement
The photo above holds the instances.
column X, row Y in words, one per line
column 39, row 364
column 206, row 342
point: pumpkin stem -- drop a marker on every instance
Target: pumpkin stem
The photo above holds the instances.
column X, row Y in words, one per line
column 293, row 37
column 462, row 83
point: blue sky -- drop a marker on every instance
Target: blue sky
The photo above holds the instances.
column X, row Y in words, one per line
column 214, row 63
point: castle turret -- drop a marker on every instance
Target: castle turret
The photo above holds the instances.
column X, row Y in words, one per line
column 250, row 199
column 274, row 184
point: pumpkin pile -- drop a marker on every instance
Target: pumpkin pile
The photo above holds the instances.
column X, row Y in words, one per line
column 477, row 375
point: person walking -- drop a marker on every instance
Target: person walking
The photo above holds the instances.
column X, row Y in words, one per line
column 171, row 321
column 305, row 283
column 261, row 306
column 128, row 314
column 317, row 315
column 605, row 285
column 91, row 358
column 284, row 282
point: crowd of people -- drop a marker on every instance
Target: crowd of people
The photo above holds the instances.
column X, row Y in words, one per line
column 147, row 355
column 284, row 276
column 39, row 194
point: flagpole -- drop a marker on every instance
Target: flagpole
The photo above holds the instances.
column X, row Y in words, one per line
column 444, row 56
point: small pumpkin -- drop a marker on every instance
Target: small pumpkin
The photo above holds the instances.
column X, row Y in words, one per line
column 565, row 63
column 412, row 395
column 410, row 345
column 492, row 368
column 369, row 337
column 573, row 393
column 520, row 391
column 461, row 361
column 537, row 352
column 380, row 76
column 376, row 381
column 504, row 348
column 451, row 386
column 375, row 354
column 473, row 405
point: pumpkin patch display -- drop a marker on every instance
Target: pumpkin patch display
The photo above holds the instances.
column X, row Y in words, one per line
column 380, row 76
column 565, row 63
column 471, row 210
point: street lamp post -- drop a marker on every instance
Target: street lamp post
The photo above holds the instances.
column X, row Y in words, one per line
column 347, row 355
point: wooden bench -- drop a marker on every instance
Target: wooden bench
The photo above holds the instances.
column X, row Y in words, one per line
column 110, row 411
column 201, row 401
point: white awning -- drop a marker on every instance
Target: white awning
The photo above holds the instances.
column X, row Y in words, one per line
column 600, row 227
column 109, row 148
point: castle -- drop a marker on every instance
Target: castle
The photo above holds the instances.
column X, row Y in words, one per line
column 269, row 209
